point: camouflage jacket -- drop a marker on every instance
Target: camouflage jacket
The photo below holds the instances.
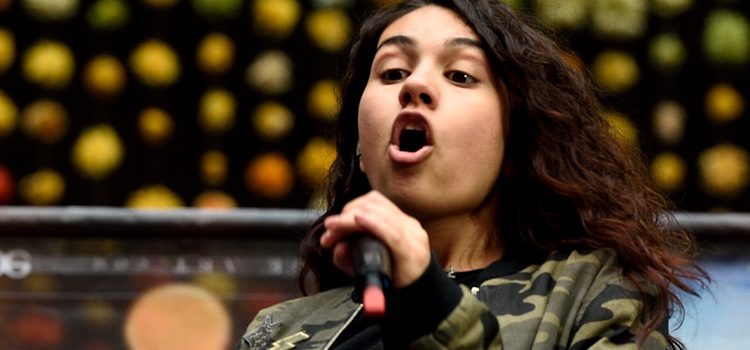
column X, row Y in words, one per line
column 568, row 301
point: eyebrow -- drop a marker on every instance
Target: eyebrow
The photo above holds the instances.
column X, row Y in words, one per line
column 398, row 40
column 463, row 42
column 402, row 40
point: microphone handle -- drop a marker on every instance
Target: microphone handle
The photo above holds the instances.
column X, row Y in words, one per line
column 372, row 271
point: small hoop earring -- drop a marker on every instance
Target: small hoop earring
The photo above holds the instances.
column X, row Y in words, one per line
column 358, row 152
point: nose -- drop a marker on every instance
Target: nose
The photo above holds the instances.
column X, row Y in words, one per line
column 418, row 91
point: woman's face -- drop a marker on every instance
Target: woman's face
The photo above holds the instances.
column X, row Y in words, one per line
column 431, row 123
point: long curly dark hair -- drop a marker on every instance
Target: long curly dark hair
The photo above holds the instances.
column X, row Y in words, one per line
column 574, row 185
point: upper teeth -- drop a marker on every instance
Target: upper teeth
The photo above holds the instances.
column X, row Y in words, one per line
column 413, row 127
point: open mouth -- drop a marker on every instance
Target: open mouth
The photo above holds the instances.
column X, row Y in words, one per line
column 412, row 139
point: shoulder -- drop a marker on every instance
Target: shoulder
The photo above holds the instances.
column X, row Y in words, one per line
column 565, row 283
column 577, row 297
column 611, row 304
column 594, row 274
column 313, row 319
column 307, row 305
column 596, row 258
column 570, row 278
column 585, row 269
column 590, row 269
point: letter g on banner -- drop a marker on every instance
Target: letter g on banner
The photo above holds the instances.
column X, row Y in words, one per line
column 15, row 264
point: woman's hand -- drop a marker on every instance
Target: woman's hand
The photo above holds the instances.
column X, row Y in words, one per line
column 375, row 214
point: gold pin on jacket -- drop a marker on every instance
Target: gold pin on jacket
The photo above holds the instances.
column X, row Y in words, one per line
column 290, row 341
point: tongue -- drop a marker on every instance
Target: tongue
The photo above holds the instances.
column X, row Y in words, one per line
column 412, row 140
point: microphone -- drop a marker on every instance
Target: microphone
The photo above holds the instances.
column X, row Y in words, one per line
column 372, row 272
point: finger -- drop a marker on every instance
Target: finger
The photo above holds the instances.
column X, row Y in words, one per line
column 325, row 239
column 380, row 219
column 379, row 223
column 379, row 198
column 341, row 258
column 335, row 222
column 373, row 204
column 337, row 230
column 410, row 252
column 347, row 222
column 367, row 202
column 345, row 218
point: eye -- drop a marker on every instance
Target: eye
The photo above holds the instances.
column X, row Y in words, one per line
column 460, row 78
column 393, row 75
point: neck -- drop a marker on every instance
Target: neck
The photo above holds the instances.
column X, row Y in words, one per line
column 465, row 242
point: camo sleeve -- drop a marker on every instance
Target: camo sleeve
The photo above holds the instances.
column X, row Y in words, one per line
column 611, row 321
column 571, row 301
column 610, row 317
